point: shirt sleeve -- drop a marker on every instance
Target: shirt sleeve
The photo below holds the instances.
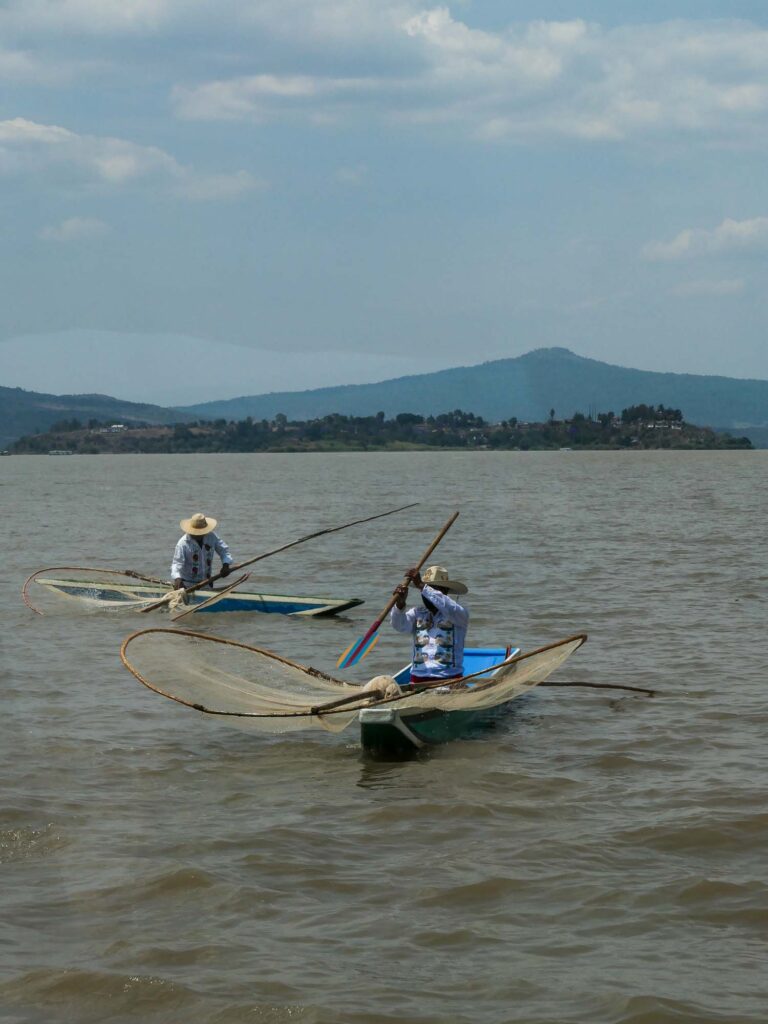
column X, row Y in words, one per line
column 177, row 565
column 451, row 609
column 222, row 550
column 401, row 620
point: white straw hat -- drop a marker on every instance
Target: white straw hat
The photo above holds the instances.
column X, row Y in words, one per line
column 437, row 576
column 198, row 525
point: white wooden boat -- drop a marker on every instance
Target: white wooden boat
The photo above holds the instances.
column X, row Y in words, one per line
column 121, row 592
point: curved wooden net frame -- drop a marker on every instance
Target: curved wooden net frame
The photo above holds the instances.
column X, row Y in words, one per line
column 130, row 573
column 254, row 686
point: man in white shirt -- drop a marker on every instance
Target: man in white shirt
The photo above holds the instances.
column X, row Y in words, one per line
column 439, row 628
column 193, row 558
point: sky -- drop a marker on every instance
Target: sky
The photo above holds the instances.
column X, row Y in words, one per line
column 212, row 198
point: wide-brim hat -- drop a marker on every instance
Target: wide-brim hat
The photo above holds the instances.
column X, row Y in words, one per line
column 437, row 576
column 199, row 524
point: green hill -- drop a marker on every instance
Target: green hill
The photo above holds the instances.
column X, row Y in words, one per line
column 30, row 412
column 526, row 387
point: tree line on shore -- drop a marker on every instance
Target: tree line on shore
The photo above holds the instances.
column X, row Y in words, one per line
column 639, row 426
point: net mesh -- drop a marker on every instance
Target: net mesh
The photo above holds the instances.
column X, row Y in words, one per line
column 63, row 588
column 511, row 680
column 254, row 688
column 250, row 687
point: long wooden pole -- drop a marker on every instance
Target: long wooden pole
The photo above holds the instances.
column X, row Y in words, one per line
column 605, row 686
column 361, row 647
column 283, row 547
column 377, row 694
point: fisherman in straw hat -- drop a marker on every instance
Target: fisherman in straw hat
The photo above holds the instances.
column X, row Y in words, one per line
column 193, row 557
column 438, row 628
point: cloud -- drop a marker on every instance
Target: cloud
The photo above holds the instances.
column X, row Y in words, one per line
column 26, row 146
column 111, row 160
column 531, row 81
column 74, row 229
column 404, row 63
column 246, row 96
column 728, row 237
column 733, row 286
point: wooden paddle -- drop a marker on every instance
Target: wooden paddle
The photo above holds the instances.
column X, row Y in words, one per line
column 360, row 648
column 276, row 551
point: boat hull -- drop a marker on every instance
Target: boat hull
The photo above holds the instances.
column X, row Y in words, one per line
column 391, row 731
column 383, row 731
column 113, row 595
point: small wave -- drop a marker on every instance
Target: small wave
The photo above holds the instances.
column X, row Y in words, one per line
column 721, row 834
column 734, row 904
column 657, row 1010
column 183, row 882
column 398, row 814
column 82, row 995
column 475, row 894
column 24, row 842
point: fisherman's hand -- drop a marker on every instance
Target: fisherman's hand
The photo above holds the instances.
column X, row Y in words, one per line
column 415, row 577
column 226, row 569
column 178, row 584
column 400, row 593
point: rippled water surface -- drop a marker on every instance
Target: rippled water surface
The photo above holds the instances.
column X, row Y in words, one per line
column 595, row 857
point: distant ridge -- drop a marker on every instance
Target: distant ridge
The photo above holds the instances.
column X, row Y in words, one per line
column 27, row 412
column 527, row 386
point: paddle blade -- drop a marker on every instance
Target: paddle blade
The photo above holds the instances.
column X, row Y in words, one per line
column 366, row 649
column 358, row 650
column 342, row 662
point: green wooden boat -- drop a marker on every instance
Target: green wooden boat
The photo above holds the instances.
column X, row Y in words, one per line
column 391, row 730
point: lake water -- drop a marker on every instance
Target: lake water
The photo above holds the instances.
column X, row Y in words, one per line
column 596, row 858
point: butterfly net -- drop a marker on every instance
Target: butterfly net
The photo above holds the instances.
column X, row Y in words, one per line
column 60, row 589
column 257, row 689
column 246, row 686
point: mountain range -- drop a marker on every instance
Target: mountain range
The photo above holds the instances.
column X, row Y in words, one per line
column 30, row 412
column 527, row 386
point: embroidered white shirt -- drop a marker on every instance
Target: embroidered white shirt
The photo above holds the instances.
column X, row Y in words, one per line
column 438, row 640
column 193, row 562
